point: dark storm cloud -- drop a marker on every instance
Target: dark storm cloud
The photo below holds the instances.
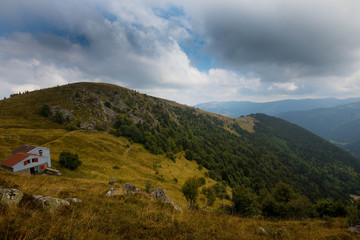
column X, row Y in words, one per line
column 280, row 40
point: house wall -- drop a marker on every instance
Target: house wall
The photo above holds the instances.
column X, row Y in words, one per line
column 45, row 152
column 41, row 161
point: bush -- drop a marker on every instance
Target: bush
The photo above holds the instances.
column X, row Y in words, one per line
column 148, row 187
column 243, row 201
column 69, row 160
column 190, row 190
column 45, row 111
column 59, row 118
column 353, row 213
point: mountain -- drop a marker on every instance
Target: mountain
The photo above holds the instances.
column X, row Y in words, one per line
column 240, row 108
column 340, row 124
column 143, row 137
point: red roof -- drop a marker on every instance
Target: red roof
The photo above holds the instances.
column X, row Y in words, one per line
column 14, row 159
column 24, row 149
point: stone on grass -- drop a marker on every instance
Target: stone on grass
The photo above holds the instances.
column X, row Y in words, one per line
column 50, row 203
column 73, row 200
column 262, row 230
column 112, row 181
column 159, row 194
column 10, row 196
column 355, row 229
column 130, row 189
column 111, row 192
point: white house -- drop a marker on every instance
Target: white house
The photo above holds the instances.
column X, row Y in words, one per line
column 28, row 159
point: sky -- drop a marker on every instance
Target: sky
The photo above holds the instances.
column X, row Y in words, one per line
column 187, row 51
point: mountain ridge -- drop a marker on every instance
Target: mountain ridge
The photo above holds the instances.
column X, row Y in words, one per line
column 239, row 108
column 256, row 151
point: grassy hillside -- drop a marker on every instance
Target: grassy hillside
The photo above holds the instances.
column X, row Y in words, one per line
column 135, row 137
column 137, row 217
column 340, row 124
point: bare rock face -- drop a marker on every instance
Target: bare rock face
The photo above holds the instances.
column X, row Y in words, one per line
column 10, row 196
column 130, row 189
column 159, row 194
column 111, row 192
column 50, row 203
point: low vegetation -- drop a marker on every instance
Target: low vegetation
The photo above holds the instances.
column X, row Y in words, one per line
column 138, row 217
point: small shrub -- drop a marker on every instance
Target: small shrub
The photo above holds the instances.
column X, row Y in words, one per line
column 58, row 118
column 69, row 160
column 148, row 187
column 45, row 111
column 116, row 167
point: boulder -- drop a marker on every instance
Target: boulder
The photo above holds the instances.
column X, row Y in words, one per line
column 10, row 196
column 73, row 200
column 50, row 203
column 355, row 229
column 130, row 189
column 111, row 192
column 112, row 181
column 159, row 194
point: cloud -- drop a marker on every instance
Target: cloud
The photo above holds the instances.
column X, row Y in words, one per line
column 188, row 51
column 279, row 40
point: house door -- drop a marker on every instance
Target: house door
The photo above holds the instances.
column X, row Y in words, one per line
column 36, row 170
column 32, row 170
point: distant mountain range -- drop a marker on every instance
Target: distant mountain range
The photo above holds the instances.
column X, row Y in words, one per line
column 340, row 124
column 337, row 120
column 239, row 108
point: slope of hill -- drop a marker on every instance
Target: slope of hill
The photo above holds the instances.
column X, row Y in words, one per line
column 239, row 108
column 340, row 124
column 136, row 217
column 156, row 136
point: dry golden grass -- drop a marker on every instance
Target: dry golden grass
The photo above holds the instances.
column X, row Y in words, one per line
column 105, row 156
column 138, row 217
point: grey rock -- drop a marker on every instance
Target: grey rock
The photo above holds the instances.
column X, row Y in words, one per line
column 130, row 189
column 262, row 230
column 159, row 194
column 73, row 200
column 355, row 229
column 50, row 203
column 111, row 192
column 112, row 181
column 10, row 196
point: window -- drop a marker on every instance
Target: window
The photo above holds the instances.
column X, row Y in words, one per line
column 40, row 152
column 25, row 163
column 28, row 161
column 34, row 160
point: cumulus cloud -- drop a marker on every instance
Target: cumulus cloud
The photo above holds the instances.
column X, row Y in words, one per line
column 266, row 49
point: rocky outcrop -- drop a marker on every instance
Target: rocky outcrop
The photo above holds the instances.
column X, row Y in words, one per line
column 130, row 189
column 50, row 203
column 111, row 192
column 159, row 194
column 10, row 196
